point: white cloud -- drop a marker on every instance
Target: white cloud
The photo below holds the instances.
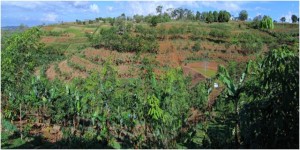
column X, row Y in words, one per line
column 228, row 6
column 145, row 8
column 94, row 8
column 26, row 5
column 51, row 17
column 110, row 8
column 260, row 8
column 80, row 3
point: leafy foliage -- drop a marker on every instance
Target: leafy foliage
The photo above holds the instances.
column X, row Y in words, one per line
column 267, row 23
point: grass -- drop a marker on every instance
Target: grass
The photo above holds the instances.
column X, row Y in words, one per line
column 75, row 31
column 208, row 73
column 62, row 46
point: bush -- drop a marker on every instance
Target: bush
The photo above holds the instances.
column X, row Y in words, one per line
column 143, row 41
column 196, row 46
column 154, row 21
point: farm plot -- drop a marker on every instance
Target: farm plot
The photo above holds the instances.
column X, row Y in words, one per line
column 207, row 69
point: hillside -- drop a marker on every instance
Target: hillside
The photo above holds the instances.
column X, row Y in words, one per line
column 138, row 85
column 175, row 49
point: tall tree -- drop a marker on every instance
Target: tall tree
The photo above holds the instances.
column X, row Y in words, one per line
column 270, row 118
column 203, row 16
column 216, row 15
column 198, row 15
column 159, row 9
column 243, row 15
column 210, row 17
column 294, row 18
column 223, row 16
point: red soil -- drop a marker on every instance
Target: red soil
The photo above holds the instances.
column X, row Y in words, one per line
column 62, row 39
column 107, row 54
column 87, row 64
column 63, row 66
column 196, row 77
column 48, row 39
column 50, row 73
column 48, row 28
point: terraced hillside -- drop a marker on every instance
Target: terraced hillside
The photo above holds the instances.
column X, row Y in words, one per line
column 198, row 48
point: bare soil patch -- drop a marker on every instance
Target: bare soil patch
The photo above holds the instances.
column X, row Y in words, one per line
column 48, row 39
column 196, row 77
column 62, row 39
column 48, row 28
column 87, row 64
column 63, row 66
column 209, row 65
column 101, row 55
column 50, row 73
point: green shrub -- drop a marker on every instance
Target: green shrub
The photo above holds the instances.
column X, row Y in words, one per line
column 250, row 43
column 196, row 46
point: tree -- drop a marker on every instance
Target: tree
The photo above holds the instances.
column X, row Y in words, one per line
column 198, row 15
column 243, row 15
column 267, row 23
column 159, row 9
column 282, row 19
column 138, row 18
column 154, row 21
column 294, row 18
column 256, row 22
column 203, row 16
column 189, row 14
column 210, row 17
column 216, row 15
column 271, row 106
column 123, row 16
column 233, row 91
column 257, row 18
column 224, row 16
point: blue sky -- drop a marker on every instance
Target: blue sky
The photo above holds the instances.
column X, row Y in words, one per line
column 38, row 12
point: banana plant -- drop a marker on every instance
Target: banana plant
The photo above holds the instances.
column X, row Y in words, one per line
column 233, row 91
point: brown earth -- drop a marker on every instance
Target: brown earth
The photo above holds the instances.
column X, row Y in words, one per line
column 48, row 28
column 62, row 39
column 196, row 76
column 48, row 39
column 209, row 65
column 169, row 56
column 50, row 73
column 63, row 66
column 87, row 64
column 37, row 72
column 104, row 55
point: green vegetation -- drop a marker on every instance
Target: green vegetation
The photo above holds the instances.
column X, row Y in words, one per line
column 162, row 101
column 267, row 23
column 243, row 15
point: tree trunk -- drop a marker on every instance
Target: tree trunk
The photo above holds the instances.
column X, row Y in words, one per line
column 237, row 125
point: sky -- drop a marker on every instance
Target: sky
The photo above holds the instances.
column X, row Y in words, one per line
column 32, row 13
